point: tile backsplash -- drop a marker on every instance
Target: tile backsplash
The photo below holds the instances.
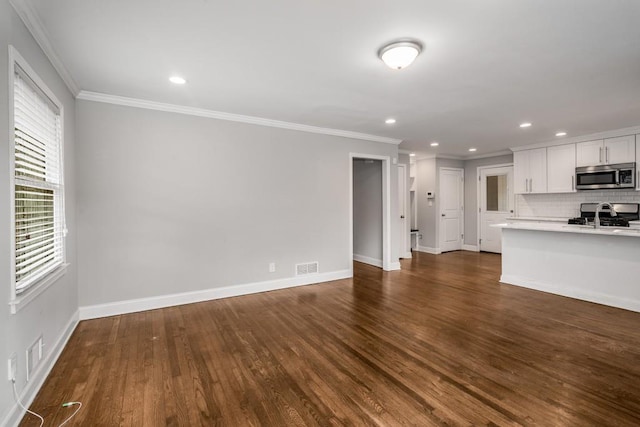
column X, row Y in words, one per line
column 568, row 205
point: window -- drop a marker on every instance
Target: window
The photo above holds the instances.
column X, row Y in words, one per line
column 38, row 191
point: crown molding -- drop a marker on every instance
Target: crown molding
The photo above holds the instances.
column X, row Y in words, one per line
column 590, row 137
column 494, row 154
column 34, row 24
column 201, row 112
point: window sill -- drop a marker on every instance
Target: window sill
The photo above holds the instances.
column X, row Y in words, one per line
column 22, row 300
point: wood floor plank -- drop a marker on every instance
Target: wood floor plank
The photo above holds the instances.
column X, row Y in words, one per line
column 440, row 342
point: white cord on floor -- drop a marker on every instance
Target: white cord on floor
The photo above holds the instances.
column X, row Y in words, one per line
column 15, row 394
column 65, row 405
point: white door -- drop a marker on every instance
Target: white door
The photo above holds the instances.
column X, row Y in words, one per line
column 451, row 209
column 496, row 205
column 405, row 251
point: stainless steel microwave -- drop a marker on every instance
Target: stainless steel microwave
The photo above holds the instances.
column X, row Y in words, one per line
column 622, row 175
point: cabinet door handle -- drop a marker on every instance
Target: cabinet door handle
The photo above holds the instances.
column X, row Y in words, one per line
column 600, row 155
column 606, row 155
column 573, row 185
column 530, row 185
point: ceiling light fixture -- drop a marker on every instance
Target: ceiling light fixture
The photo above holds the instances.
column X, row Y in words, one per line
column 434, row 144
column 561, row 134
column 473, row 149
column 400, row 54
column 525, row 125
column 412, row 154
column 177, row 80
column 390, row 121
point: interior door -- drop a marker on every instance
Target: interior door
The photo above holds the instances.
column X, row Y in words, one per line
column 496, row 205
column 402, row 212
column 451, row 209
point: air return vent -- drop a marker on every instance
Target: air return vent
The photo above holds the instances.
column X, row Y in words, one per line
column 307, row 268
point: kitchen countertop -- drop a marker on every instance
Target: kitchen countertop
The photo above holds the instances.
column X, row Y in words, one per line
column 633, row 231
column 538, row 218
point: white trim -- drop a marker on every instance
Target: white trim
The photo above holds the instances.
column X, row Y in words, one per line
column 32, row 21
column 161, row 301
column 494, row 154
column 41, row 373
column 405, row 233
column 33, row 291
column 368, row 260
column 386, row 206
column 406, row 255
column 395, row 266
column 201, row 112
column 472, row 248
column 428, row 250
column 581, row 294
column 570, row 140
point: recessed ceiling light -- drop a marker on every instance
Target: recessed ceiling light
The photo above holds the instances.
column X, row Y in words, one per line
column 434, row 144
column 400, row 54
column 177, row 80
column 390, row 121
column 525, row 125
column 473, row 149
column 412, row 154
column 561, row 134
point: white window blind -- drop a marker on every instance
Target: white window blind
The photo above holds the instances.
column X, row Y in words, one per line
column 38, row 191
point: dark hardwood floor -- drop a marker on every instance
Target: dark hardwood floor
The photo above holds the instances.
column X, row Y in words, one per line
column 439, row 343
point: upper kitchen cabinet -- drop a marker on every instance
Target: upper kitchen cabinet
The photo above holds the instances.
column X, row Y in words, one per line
column 561, row 168
column 530, row 171
column 608, row 151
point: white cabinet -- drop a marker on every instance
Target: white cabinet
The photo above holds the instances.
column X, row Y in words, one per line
column 530, row 171
column 561, row 168
column 608, row 151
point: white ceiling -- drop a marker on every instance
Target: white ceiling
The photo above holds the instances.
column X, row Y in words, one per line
column 488, row 65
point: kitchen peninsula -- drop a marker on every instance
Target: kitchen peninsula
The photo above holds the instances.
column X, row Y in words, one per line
column 578, row 261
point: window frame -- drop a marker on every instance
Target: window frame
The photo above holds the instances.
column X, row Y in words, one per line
column 19, row 300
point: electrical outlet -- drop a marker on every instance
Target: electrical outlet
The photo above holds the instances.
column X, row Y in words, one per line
column 272, row 267
column 13, row 367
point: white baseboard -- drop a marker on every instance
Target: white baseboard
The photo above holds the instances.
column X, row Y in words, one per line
column 395, row 266
column 426, row 249
column 31, row 389
column 472, row 248
column 161, row 301
column 581, row 294
column 368, row 260
column 407, row 255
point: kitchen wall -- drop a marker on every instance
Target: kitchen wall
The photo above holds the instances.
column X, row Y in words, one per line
column 172, row 204
column 367, row 211
column 568, row 205
column 52, row 314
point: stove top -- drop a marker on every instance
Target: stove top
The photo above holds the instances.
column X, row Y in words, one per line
column 604, row 222
column 625, row 212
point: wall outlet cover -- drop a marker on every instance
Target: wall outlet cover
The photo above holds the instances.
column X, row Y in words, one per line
column 12, row 367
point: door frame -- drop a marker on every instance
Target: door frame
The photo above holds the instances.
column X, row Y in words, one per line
column 479, row 197
column 387, row 265
column 439, row 211
column 405, row 232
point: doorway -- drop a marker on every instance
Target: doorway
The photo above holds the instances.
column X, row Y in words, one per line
column 383, row 211
column 404, row 213
column 451, row 209
column 496, row 201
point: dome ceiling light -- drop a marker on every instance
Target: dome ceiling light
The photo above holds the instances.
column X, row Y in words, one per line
column 400, row 54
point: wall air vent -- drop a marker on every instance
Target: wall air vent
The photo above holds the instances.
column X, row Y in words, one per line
column 307, row 268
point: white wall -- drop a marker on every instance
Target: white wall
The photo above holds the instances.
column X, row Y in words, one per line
column 52, row 313
column 367, row 211
column 170, row 203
